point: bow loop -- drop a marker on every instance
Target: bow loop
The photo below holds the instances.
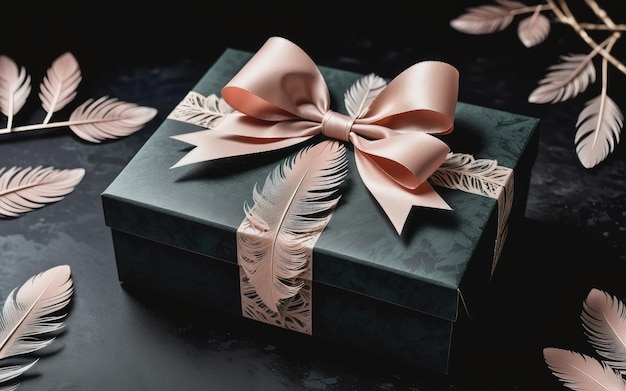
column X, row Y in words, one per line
column 423, row 97
column 280, row 82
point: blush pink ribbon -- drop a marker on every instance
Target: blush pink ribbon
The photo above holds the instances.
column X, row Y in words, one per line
column 281, row 99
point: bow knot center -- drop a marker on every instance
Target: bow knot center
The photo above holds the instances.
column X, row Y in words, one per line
column 336, row 125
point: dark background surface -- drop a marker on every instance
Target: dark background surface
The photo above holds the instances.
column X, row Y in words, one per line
column 574, row 233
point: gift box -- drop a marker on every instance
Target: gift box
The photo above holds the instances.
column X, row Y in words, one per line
column 405, row 295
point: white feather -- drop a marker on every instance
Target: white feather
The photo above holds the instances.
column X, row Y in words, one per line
column 14, row 88
column 580, row 372
column 604, row 320
column 12, row 371
column 598, row 130
column 58, row 87
column 362, row 93
column 486, row 19
column 287, row 217
column 534, row 29
column 565, row 80
column 31, row 311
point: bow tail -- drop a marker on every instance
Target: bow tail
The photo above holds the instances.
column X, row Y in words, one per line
column 395, row 199
column 212, row 144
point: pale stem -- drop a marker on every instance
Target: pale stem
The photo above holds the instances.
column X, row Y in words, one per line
column 57, row 124
column 18, row 188
column 526, row 10
column 566, row 16
column 48, row 117
column 601, row 14
column 536, row 14
column 605, row 84
column 593, row 26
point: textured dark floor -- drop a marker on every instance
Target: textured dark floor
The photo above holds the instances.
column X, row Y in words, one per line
column 574, row 233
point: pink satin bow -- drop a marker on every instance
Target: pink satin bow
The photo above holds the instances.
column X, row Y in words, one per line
column 282, row 99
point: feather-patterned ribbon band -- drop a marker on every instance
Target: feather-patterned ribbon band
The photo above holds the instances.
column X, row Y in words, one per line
column 283, row 103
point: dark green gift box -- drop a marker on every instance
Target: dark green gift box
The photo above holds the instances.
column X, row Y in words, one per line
column 402, row 297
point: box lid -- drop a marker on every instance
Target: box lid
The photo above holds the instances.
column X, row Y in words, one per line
column 199, row 207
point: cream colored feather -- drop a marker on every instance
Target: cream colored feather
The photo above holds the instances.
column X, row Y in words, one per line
column 486, row 19
column 604, row 320
column 580, row 372
column 598, row 130
column 58, row 87
column 288, row 215
column 14, row 89
column 31, row 310
column 565, row 80
column 108, row 118
column 25, row 189
column 12, row 371
column 30, row 313
column 361, row 94
column 533, row 29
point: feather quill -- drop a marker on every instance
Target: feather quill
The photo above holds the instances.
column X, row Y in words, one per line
column 14, row 89
column 25, row 189
column 598, row 130
column 58, row 87
column 533, row 29
column 604, row 320
column 565, row 80
column 581, row 372
column 108, row 118
column 288, row 215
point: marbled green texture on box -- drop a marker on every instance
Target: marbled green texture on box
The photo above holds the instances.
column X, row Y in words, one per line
column 417, row 279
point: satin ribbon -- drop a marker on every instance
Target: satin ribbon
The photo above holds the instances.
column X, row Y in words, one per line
column 281, row 99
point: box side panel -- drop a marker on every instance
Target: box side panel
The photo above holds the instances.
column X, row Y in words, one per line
column 347, row 318
column 381, row 328
column 156, row 268
column 169, row 229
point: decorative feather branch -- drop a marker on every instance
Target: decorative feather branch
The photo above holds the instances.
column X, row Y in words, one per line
column 600, row 123
column 288, row 215
column 94, row 121
column 604, row 320
column 25, row 189
column 31, row 313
